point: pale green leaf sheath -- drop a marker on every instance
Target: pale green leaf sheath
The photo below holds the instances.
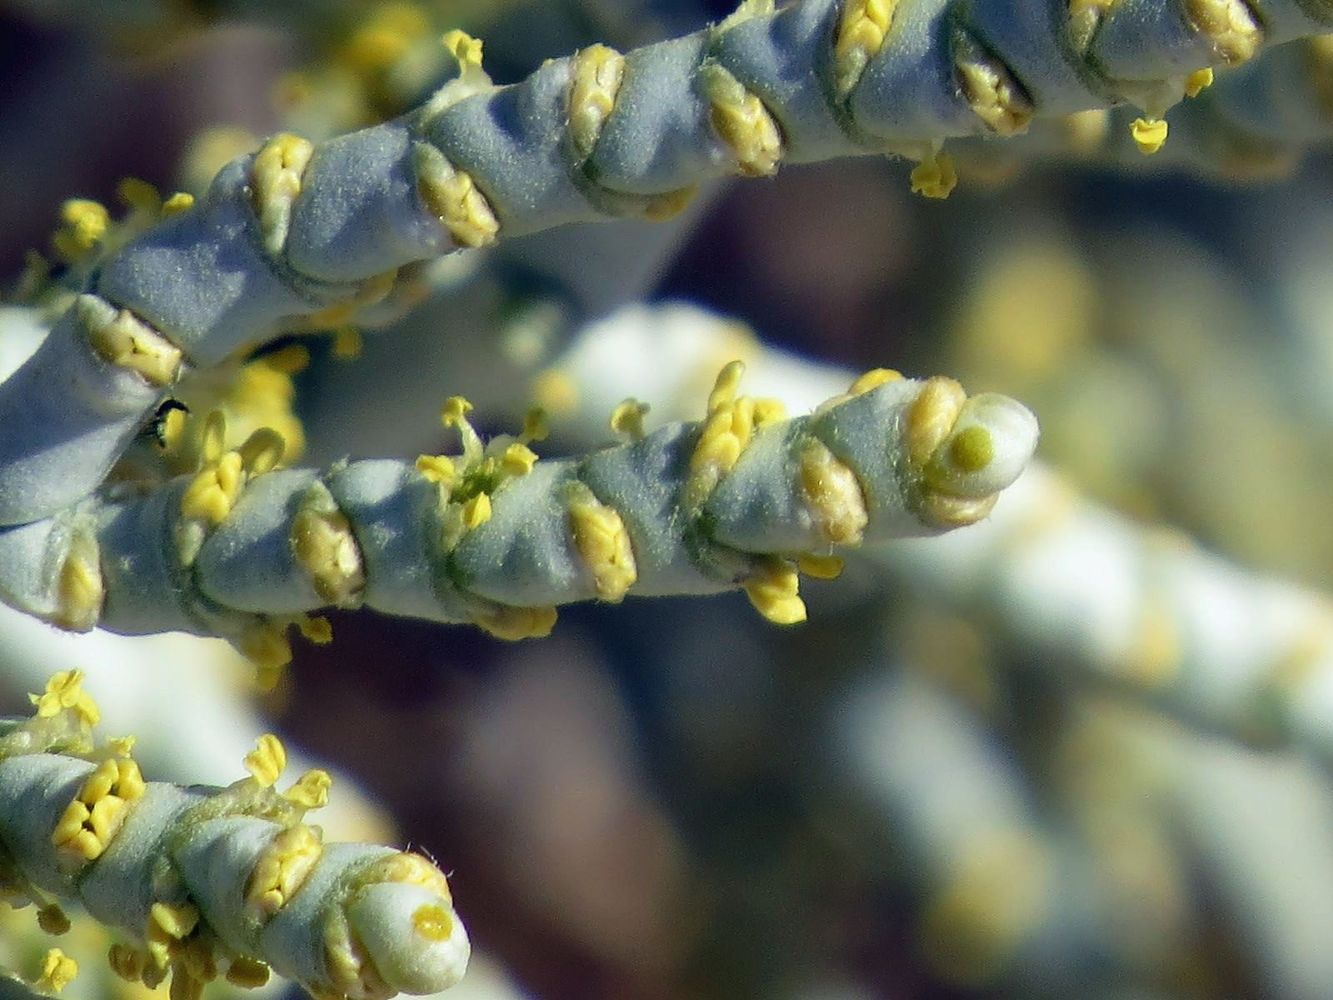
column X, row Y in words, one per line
column 295, row 230
column 208, row 882
column 745, row 498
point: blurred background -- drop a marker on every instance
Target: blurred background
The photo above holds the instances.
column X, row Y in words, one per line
column 1082, row 752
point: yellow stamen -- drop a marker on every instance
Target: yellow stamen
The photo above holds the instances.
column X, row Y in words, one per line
column 742, row 122
column 65, row 691
column 126, row 341
column 819, row 567
column 595, row 80
column 931, row 417
column 281, row 870
column 477, row 511
column 627, row 419
column 934, row 177
column 58, row 971
column 833, row 495
column 513, row 624
column 85, row 224
column 311, row 790
column 437, row 468
column 1149, row 134
column 1198, row 81
column 861, row 31
column 601, row 539
column 275, row 181
column 990, row 90
column 772, row 589
column 267, row 760
column 325, row 547
column 452, row 197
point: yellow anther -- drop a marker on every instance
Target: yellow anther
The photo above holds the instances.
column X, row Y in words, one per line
column 627, row 419
column 129, row 779
column 595, row 80
column 69, row 832
column 347, row 343
column 433, row 922
column 724, row 387
column 452, row 197
column 1198, row 81
column 1229, row 25
column 90, row 822
column 833, row 495
column 819, row 567
column 247, row 973
column 477, row 511
column 275, row 181
column 931, row 417
column 600, row 536
column 861, row 31
column 281, row 869
column 84, row 226
column 65, row 691
column 437, row 468
column 214, row 490
column 727, row 429
column 179, row 202
column 175, row 920
column 170, row 427
column 934, row 177
column 126, row 962
column 513, row 624
column 465, row 48
column 990, row 89
column 311, row 790
column 261, row 451
column 536, row 426
column 455, row 411
column 58, row 971
column 873, row 379
column 772, row 589
column 79, row 588
column 52, row 919
column 316, row 629
column 97, row 786
column 518, row 459
column 326, row 548
column 742, row 122
column 121, row 746
column 267, row 760
column 128, row 342
column 1149, row 134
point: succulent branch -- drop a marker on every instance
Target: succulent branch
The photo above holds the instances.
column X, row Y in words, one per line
column 211, row 882
column 294, row 229
column 746, row 497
